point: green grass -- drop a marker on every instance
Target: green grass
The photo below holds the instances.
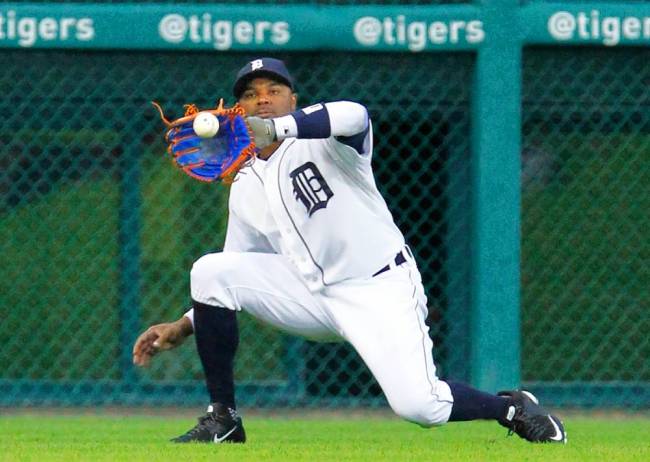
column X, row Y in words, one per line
column 92, row 438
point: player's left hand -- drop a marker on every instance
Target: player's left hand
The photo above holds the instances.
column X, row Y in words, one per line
column 211, row 158
column 263, row 131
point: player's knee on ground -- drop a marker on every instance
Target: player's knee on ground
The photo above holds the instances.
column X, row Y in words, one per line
column 428, row 412
column 209, row 276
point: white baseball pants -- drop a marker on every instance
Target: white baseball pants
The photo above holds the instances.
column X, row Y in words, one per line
column 382, row 317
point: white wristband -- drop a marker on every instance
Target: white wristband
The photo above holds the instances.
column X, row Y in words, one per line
column 190, row 315
column 285, row 127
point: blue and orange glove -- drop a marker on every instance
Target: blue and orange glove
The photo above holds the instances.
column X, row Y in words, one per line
column 217, row 158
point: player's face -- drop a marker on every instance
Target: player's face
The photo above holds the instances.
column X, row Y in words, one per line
column 267, row 98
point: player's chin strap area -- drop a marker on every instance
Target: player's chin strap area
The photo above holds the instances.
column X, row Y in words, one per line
column 402, row 257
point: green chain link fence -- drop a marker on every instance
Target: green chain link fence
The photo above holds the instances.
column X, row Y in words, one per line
column 585, row 219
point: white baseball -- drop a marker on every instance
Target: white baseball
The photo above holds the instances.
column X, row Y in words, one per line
column 206, row 125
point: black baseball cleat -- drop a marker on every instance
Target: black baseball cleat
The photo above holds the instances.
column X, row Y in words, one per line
column 529, row 420
column 220, row 424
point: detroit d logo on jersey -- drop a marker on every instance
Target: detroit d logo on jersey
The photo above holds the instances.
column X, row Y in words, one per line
column 310, row 187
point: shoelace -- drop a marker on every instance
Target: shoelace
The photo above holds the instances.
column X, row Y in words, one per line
column 533, row 433
column 200, row 426
column 515, row 422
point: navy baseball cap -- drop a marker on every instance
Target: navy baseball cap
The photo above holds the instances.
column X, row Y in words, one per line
column 262, row 67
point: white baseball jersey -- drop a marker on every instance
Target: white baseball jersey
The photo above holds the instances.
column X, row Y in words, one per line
column 314, row 201
column 307, row 231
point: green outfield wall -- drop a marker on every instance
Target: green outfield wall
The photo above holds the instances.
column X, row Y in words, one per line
column 512, row 146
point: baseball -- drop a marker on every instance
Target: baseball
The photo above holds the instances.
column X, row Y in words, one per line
column 206, row 125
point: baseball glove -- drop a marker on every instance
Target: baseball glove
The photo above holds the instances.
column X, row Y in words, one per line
column 216, row 158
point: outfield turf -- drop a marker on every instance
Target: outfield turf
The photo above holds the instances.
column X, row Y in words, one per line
column 115, row 438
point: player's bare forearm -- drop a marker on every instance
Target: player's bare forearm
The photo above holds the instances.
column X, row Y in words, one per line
column 160, row 337
column 185, row 326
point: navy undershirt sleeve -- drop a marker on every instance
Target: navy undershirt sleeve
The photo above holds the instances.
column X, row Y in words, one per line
column 354, row 141
column 314, row 124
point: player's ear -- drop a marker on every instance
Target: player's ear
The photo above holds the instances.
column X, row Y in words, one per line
column 294, row 101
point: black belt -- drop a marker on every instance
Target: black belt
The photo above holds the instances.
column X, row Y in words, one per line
column 399, row 259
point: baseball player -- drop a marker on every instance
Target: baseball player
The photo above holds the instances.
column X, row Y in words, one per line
column 311, row 248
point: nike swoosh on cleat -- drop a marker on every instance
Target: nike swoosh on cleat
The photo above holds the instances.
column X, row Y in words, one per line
column 558, row 433
column 218, row 439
